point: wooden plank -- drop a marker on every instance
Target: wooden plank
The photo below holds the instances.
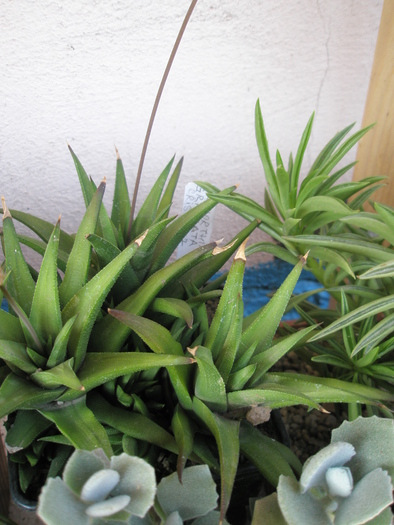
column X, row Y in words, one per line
column 375, row 151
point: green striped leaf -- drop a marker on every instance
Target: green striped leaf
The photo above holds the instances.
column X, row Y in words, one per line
column 383, row 304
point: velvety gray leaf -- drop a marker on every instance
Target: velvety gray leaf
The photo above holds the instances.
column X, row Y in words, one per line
column 58, row 505
column 315, row 468
column 371, row 495
column 298, row 508
column 137, row 480
column 195, row 497
column 373, row 440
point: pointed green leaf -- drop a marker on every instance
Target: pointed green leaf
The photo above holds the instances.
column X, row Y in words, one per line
column 228, row 353
column 341, row 151
column 29, row 333
column 20, row 283
column 362, row 312
column 156, row 336
column 15, row 354
column 28, row 425
column 283, row 181
column 262, row 145
column 10, row 327
column 121, row 207
column 226, row 434
column 36, row 358
column 111, row 339
column 327, row 390
column 270, row 457
column 78, row 262
column 88, row 300
column 295, row 173
column 105, row 226
column 322, row 203
column 270, row 395
column 209, row 385
column 264, row 326
column 329, row 148
column 60, row 375
column 347, row 189
column 374, row 336
column 45, row 310
column 344, row 245
column 228, row 305
column 379, row 271
column 131, row 423
column 372, row 223
column 149, row 208
column 250, row 210
column 174, row 307
column 128, row 281
column 265, row 360
column 386, row 213
column 59, row 348
column 79, row 424
column 100, row 368
column 238, row 379
column 168, row 195
column 182, row 429
column 19, row 393
column 43, row 229
column 331, row 256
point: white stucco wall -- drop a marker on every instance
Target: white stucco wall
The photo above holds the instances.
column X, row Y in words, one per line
column 87, row 72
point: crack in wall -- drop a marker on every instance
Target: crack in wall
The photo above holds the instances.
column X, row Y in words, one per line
column 327, row 29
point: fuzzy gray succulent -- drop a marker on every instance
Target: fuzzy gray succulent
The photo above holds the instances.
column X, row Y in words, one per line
column 122, row 490
column 349, row 482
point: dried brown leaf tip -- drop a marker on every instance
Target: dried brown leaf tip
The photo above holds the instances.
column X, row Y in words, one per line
column 6, row 211
column 193, row 350
column 305, row 257
column 140, row 239
column 240, row 255
column 117, row 153
column 218, row 249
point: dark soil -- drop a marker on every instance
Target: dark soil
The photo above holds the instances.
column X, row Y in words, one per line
column 309, row 431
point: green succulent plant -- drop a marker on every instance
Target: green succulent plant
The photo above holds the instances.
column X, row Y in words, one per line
column 318, row 214
column 350, row 254
column 356, row 346
column 49, row 362
column 217, row 399
column 95, row 490
column 76, row 377
column 349, row 482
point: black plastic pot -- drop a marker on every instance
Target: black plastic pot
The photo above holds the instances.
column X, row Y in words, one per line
column 16, row 493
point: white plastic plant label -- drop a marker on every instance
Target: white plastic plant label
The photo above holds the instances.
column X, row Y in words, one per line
column 201, row 233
